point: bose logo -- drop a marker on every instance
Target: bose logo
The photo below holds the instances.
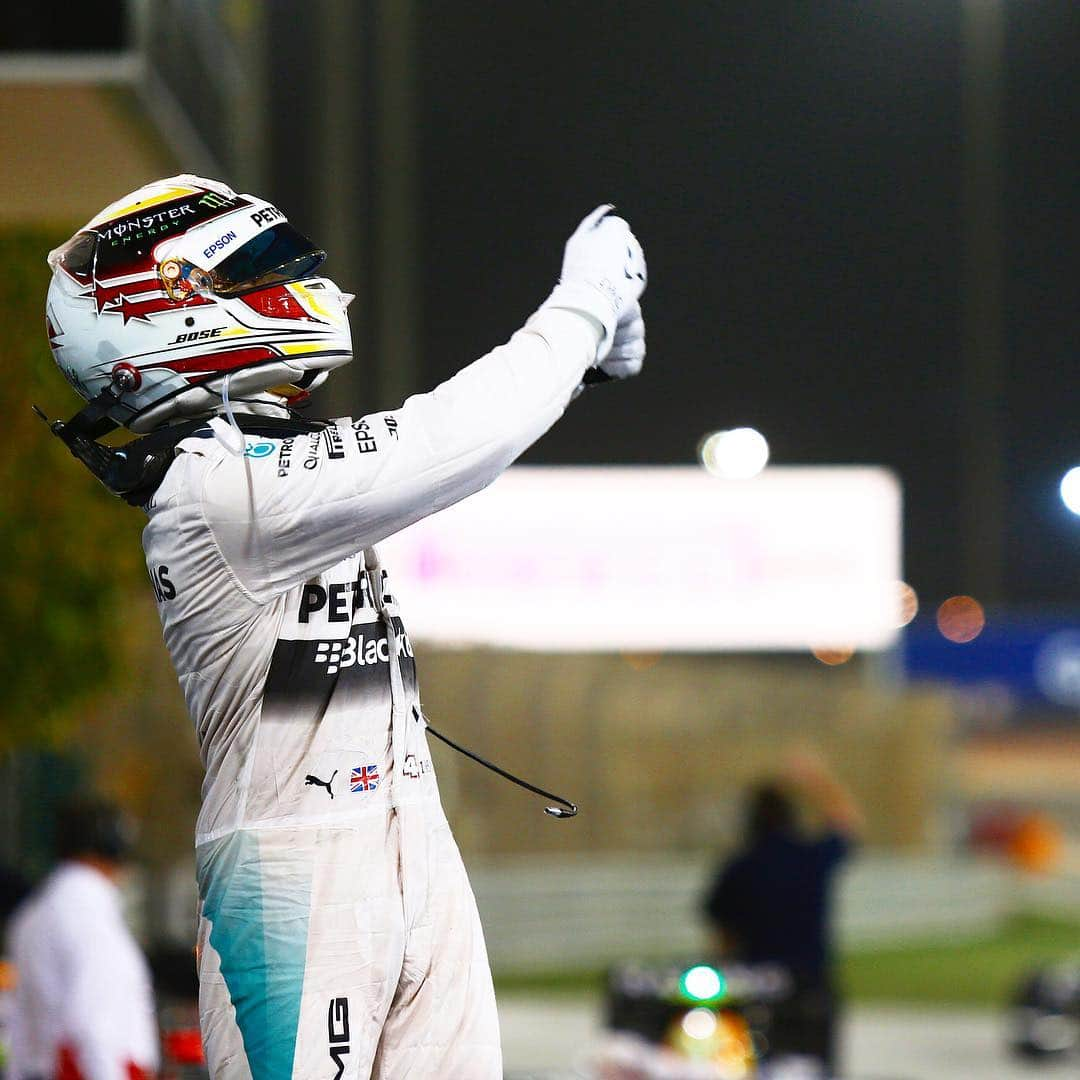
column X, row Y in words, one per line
column 196, row 335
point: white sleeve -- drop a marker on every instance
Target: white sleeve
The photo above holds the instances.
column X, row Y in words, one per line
column 279, row 521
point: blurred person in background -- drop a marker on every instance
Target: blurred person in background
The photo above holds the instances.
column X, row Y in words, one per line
column 771, row 903
column 83, row 1006
column 339, row 933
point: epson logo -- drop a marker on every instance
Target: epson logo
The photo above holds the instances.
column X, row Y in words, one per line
column 365, row 443
column 196, row 335
column 219, row 244
column 266, row 215
column 337, row 1024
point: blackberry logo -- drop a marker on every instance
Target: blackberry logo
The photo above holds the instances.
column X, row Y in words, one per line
column 359, row 652
column 329, row 653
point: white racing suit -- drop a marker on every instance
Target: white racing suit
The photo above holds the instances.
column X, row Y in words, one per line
column 338, row 936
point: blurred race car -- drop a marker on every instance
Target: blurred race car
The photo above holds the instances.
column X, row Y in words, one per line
column 698, row 1022
column 1045, row 1014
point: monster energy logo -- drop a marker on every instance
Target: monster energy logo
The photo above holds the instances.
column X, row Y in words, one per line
column 152, row 223
column 215, row 201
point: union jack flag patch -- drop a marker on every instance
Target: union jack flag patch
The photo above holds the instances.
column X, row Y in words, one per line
column 364, row 778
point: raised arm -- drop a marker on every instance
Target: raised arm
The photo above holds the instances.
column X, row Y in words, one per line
column 371, row 477
column 808, row 773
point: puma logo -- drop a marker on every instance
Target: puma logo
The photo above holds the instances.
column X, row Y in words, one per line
column 309, row 779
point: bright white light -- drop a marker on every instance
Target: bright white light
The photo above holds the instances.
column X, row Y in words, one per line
column 1070, row 489
column 738, row 454
column 702, row 982
column 699, row 1023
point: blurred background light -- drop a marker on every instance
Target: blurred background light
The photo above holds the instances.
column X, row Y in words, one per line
column 703, row 983
column 699, row 1023
column 738, row 454
column 907, row 604
column 961, row 619
column 834, row 655
column 1070, row 489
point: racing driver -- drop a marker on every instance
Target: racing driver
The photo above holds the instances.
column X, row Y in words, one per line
column 338, row 933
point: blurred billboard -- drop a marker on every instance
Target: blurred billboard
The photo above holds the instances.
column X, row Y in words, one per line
column 1032, row 659
column 666, row 558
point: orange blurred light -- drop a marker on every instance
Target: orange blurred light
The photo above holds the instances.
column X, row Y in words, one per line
column 1037, row 844
column 835, row 655
column 961, row 619
column 907, row 603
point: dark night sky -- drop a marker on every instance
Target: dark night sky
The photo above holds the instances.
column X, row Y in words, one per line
column 793, row 170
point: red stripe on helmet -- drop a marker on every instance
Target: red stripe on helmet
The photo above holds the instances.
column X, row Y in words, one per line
column 143, row 309
column 227, row 360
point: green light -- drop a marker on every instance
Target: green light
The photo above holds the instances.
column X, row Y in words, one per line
column 703, row 983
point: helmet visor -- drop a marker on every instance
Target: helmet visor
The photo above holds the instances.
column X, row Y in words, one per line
column 76, row 256
column 278, row 255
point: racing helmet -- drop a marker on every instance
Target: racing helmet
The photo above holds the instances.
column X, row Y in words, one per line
column 183, row 289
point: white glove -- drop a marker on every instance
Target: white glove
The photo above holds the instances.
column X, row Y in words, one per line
column 628, row 349
column 603, row 274
column 627, row 352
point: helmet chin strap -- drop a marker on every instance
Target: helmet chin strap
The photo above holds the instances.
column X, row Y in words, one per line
column 128, row 471
column 134, row 470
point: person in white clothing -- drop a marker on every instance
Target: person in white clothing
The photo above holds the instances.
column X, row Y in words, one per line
column 83, row 1006
column 339, row 936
